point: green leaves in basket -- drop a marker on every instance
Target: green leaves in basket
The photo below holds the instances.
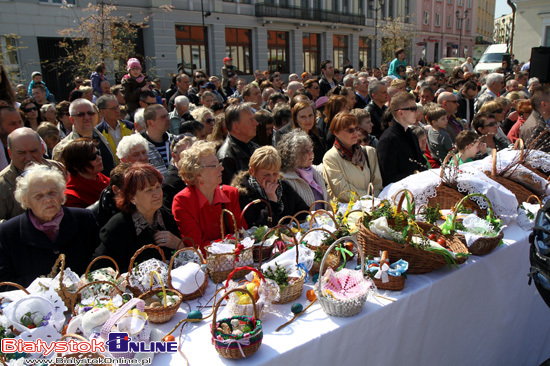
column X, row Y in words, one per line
column 279, row 276
column 448, row 226
column 445, row 253
column 432, row 214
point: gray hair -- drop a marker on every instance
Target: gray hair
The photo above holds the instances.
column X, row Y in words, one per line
column 291, row 147
column 77, row 103
column 127, row 143
column 233, row 114
column 199, row 113
column 511, row 81
column 533, row 80
column 45, row 107
column 493, row 78
column 102, row 100
column 35, row 174
column 349, row 79
column 181, row 100
column 139, row 118
column 374, row 85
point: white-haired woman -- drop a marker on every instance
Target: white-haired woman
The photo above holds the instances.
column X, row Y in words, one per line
column 296, row 149
column 206, row 117
column 31, row 242
column 133, row 149
column 197, row 209
column 172, row 183
column 47, row 111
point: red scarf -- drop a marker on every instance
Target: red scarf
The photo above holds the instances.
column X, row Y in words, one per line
column 356, row 155
column 83, row 192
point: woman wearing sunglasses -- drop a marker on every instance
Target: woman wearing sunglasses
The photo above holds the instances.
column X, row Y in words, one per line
column 486, row 126
column 348, row 166
column 83, row 161
column 206, row 117
column 499, row 108
column 31, row 114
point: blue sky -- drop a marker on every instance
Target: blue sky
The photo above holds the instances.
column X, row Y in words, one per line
column 502, row 8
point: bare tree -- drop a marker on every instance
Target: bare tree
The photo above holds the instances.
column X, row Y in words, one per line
column 396, row 34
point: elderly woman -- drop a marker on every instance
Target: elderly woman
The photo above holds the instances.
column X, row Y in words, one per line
column 263, row 181
column 83, row 161
column 296, row 149
column 63, row 122
column 31, row 242
column 197, row 209
column 303, row 117
column 172, row 183
column 348, row 166
column 47, row 111
column 206, row 117
column 142, row 221
column 133, row 149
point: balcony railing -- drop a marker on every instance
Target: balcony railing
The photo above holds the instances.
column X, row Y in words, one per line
column 293, row 12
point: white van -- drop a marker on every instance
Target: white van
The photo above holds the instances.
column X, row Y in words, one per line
column 492, row 58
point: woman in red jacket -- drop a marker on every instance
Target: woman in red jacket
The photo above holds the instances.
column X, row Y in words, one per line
column 197, row 208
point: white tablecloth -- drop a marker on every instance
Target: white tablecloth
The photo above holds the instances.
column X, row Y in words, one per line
column 484, row 313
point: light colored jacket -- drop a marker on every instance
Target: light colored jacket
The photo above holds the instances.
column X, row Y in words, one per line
column 303, row 189
column 341, row 175
column 58, row 149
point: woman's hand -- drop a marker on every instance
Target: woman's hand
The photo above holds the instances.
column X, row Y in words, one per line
column 166, row 239
column 270, row 189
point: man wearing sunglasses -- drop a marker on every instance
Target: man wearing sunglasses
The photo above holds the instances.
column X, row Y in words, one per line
column 449, row 102
column 83, row 115
column 111, row 126
column 398, row 149
column 539, row 121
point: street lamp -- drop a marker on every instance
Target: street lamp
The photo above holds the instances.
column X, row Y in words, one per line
column 380, row 6
column 459, row 19
column 205, row 36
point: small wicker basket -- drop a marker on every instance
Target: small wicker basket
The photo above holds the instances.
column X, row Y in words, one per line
column 92, row 285
column 136, row 290
column 161, row 314
column 266, row 252
column 342, row 308
column 202, row 289
column 66, row 295
column 84, row 279
column 333, row 261
column 237, row 346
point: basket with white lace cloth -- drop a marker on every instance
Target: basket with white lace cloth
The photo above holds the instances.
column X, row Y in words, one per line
column 139, row 277
column 343, row 293
column 188, row 275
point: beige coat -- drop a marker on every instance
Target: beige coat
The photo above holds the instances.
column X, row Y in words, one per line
column 341, row 175
column 302, row 187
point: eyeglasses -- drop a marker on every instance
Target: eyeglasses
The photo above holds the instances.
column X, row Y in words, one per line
column 112, row 108
column 412, row 109
column 352, row 130
column 498, row 110
column 95, row 155
column 315, row 87
column 209, row 120
column 27, row 110
column 149, row 103
column 78, row 82
column 83, row 114
column 492, row 124
column 452, row 101
column 216, row 166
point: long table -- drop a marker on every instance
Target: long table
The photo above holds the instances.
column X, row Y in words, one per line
column 483, row 313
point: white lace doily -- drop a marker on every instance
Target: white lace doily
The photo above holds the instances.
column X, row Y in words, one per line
column 141, row 275
column 287, row 260
column 525, row 222
column 539, row 160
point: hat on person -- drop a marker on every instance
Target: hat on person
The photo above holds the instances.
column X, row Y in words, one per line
column 133, row 62
column 36, row 73
column 209, row 85
column 227, row 59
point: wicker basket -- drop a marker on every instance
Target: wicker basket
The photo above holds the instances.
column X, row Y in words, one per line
column 231, row 346
column 267, row 250
column 482, row 245
column 77, row 356
column 327, row 205
column 161, row 314
column 341, row 308
column 66, row 295
column 333, row 261
column 420, row 261
column 202, row 288
column 221, row 265
column 12, row 328
column 76, row 297
column 84, row 279
column 136, row 290
column 519, row 145
column 395, row 283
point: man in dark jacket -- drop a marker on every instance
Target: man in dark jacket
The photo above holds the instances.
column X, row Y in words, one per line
column 326, row 82
column 398, row 150
column 465, row 98
column 361, row 86
column 237, row 148
column 379, row 96
column 538, row 121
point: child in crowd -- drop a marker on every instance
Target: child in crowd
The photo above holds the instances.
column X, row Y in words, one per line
column 37, row 79
column 468, row 145
column 439, row 140
column 133, row 84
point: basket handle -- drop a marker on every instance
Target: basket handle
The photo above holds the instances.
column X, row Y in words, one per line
column 190, row 239
column 536, row 197
column 312, row 206
column 312, row 218
column 258, row 200
column 234, row 225
column 292, row 219
column 347, row 191
column 98, row 258
column 59, row 262
column 75, row 297
column 106, row 329
column 172, row 260
column 443, row 165
column 16, row 285
column 218, row 303
column 494, row 167
column 406, row 193
column 140, row 250
column 311, row 230
column 519, row 144
column 243, row 268
column 155, row 273
column 277, row 227
column 459, row 204
column 332, row 246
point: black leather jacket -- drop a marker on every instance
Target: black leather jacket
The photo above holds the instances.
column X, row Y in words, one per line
column 234, row 157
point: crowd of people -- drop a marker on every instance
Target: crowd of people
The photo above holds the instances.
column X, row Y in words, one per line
column 115, row 168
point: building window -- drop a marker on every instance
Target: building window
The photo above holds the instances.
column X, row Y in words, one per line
column 546, row 42
column 467, row 24
column 311, row 44
column 449, row 21
column 361, row 5
column 277, row 50
column 437, row 20
column 426, row 19
column 458, row 24
column 238, row 46
column 469, row 4
column 8, row 50
column 191, row 49
column 364, row 52
column 339, row 50
column 449, row 1
column 60, row 2
column 460, row 3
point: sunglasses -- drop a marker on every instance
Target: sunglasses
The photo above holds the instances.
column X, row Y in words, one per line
column 27, row 110
column 499, row 110
column 492, row 124
column 94, row 156
column 209, row 120
column 83, row 114
column 352, row 130
column 412, row 109
column 150, row 103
